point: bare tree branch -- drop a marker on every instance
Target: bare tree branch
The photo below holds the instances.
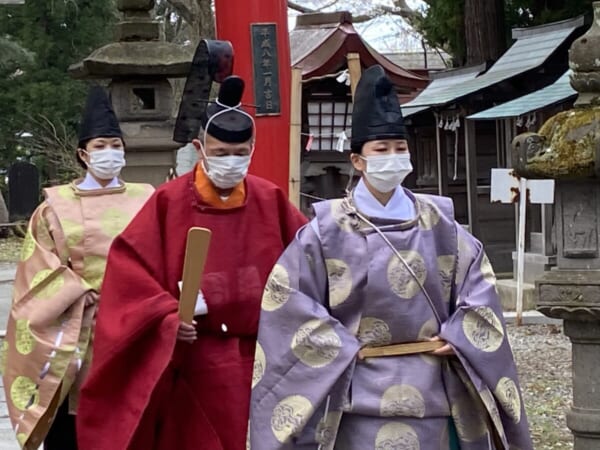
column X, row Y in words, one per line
column 52, row 140
column 400, row 8
column 404, row 10
column 186, row 9
column 362, row 18
column 297, row 7
column 331, row 3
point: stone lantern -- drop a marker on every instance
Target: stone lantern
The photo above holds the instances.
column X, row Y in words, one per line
column 139, row 65
column 567, row 149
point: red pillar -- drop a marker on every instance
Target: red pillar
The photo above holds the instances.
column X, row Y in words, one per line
column 234, row 23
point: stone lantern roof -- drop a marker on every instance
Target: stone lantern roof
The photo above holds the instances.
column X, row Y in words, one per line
column 140, row 49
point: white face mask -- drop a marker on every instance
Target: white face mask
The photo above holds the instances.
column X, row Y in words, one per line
column 106, row 164
column 226, row 172
column 386, row 172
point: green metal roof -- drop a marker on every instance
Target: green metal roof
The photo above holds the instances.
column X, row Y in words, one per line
column 558, row 92
column 532, row 48
column 440, row 82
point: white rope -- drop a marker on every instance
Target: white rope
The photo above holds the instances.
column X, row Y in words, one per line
column 313, row 197
column 314, row 135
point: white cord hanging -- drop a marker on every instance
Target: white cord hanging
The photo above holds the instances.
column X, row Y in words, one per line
column 519, row 121
column 344, row 78
column 531, row 120
column 309, row 143
column 342, row 138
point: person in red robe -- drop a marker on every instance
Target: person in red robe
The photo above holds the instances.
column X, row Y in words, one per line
column 155, row 382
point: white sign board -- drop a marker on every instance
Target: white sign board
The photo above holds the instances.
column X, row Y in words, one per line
column 508, row 187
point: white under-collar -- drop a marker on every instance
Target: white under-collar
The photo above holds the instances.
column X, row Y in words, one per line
column 399, row 207
column 89, row 183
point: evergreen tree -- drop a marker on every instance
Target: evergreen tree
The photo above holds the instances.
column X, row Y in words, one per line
column 53, row 34
column 447, row 24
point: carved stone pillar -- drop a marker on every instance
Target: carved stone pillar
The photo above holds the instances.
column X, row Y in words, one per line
column 567, row 149
column 584, row 417
column 139, row 65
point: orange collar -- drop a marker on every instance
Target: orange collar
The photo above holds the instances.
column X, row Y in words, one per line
column 209, row 193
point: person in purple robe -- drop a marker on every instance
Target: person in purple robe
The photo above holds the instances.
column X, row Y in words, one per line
column 382, row 267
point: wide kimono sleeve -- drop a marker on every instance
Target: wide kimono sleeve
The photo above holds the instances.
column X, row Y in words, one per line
column 135, row 336
column 302, row 351
column 291, row 219
column 478, row 335
column 45, row 342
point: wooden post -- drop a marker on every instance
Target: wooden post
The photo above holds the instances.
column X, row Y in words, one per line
column 471, row 159
column 442, row 160
column 521, row 249
column 295, row 137
column 500, row 149
column 354, row 69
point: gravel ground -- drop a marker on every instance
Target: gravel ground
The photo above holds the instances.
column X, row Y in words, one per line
column 543, row 355
column 10, row 249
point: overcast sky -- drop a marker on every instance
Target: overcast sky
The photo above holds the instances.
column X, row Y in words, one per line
column 385, row 33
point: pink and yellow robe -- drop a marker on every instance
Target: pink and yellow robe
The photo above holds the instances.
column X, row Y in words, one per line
column 58, row 282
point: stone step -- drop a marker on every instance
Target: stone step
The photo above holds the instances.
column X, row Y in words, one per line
column 536, row 243
column 535, row 266
column 531, row 318
column 507, row 289
column 7, row 275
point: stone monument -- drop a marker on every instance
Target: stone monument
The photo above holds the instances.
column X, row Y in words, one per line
column 139, row 65
column 567, row 149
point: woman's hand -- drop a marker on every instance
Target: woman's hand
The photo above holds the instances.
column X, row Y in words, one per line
column 446, row 350
column 187, row 333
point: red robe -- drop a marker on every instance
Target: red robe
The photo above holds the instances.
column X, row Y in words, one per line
column 146, row 390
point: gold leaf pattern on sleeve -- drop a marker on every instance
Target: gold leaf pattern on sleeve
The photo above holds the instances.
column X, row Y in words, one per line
column 487, row 270
column 483, row 329
column 28, row 247
column 260, row 365
column 469, row 419
column 113, row 221
column 51, row 288
column 402, row 283
column 316, row 344
column 446, row 270
column 508, row 395
column 73, row 232
column 429, row 216
column 397, row 435
column 277, row 292
column 340, row 281
column 24, row 339
column 341, row 218
column 465, row 257
column 93, row 270
column 402, row 400
column 290, row 416
column 373, row 331
column 24, row 393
